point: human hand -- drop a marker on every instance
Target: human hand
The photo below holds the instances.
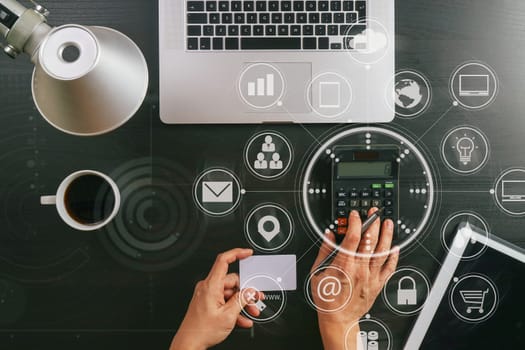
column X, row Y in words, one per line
column 368, row 262
column 215, row 307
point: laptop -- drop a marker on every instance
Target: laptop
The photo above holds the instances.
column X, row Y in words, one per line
column 297, row 61
column 475, row 303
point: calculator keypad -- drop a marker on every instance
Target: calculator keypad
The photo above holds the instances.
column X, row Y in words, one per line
column 362, row 199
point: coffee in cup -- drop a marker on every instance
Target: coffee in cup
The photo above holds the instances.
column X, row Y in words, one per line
column 86, row 200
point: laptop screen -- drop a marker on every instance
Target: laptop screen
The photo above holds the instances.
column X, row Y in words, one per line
column 468, row 316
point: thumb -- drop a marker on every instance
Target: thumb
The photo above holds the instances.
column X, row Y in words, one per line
column 240, row 299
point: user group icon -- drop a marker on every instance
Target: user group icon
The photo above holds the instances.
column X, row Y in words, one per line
column 268, row 155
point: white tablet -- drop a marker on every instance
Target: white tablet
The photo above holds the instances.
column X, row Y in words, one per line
column 475, row 303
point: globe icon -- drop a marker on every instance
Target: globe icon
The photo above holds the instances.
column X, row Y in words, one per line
column 408, row 93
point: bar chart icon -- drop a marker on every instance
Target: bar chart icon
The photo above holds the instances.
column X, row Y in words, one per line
column 262, row 87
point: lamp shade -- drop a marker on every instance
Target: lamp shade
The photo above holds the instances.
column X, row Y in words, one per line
column 88, row 80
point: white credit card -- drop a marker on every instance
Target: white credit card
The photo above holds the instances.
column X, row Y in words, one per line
column 268, row 273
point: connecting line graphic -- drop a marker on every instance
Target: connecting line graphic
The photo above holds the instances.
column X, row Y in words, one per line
column 296, row 191
column 486, row 191
column 303, row 255
column 436, row 122
column 429, row 253
column 302, row 126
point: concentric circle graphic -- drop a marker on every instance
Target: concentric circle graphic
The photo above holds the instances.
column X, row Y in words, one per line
column 26, row 222
column 153, row 230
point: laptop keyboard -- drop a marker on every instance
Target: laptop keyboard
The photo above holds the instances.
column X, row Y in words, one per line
column 273, row 25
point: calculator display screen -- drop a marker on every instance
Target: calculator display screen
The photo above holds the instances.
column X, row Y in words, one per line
column 364, row 169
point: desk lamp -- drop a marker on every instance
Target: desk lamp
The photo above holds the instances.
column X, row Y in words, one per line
column 87, row 80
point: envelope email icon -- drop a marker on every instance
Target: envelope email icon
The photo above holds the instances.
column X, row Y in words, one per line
column 217, row 192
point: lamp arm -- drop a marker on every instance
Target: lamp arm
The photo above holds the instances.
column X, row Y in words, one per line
column 22, row 28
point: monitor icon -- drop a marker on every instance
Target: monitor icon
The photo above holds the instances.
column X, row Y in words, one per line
column 474, row 85
column 513, row 191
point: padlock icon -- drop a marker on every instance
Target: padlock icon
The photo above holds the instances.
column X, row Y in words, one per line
column 406, row 296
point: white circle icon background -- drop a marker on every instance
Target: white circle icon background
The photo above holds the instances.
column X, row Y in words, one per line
column 449, row 230
column 465, row 150
column 371, row 45
column 473, row 298
column 509, row 192
column 409, row 284
column 409, row 94
column 261, row 86
column 333, row 289
column 329, row 95
column 269, row 227
column 372, row 332
column 217, row 192
column 268, row 155
column 474, row 85
column 270, row 307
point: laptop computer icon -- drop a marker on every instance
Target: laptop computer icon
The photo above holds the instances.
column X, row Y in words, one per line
column 513, row 191
column 264, row 61
column 474, row 85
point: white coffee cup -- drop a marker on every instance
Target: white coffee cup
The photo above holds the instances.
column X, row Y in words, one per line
column 65, row 208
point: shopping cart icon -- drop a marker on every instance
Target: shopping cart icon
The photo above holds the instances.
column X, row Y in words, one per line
column 474, row 299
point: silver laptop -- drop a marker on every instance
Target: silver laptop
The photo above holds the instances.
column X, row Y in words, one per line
column 475, row 303
column 297, row 61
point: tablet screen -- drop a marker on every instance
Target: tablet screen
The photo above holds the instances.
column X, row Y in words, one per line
column 483, row 307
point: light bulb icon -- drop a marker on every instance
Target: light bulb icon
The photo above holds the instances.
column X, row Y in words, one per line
column 465, row 146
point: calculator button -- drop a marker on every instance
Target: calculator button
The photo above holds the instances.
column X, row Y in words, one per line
column 341, row 194
column 354, row 203
column 376, row 193
column 377, row 186
column 388, row 202
column 342, row 222
column 376, row 203
column 389, row 211
column 365, row 203
column 389, row 186
column 365, row 194
column 354, row 193
column 341, row 204
column 389, row 194
column 364, row 213
column 342, row 213
column 341, row 230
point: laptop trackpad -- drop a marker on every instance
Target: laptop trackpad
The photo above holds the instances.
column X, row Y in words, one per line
column 275, row 87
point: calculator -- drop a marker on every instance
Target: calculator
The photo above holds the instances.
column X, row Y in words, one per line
column 362, row 179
